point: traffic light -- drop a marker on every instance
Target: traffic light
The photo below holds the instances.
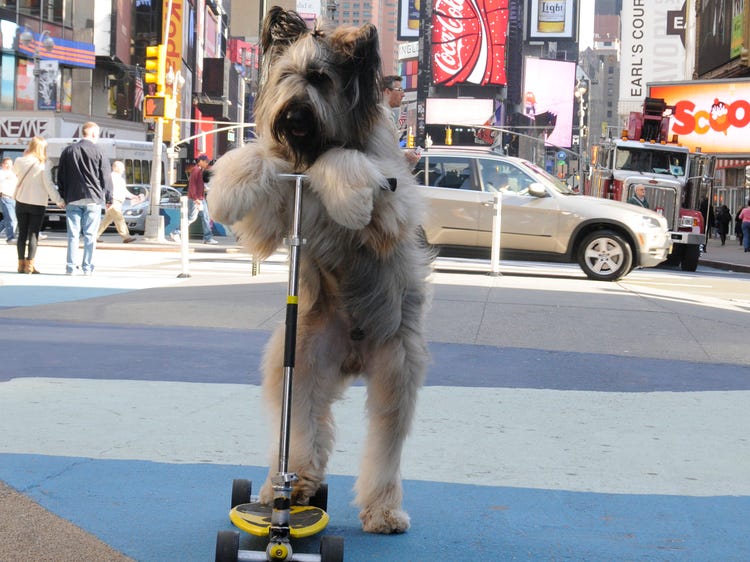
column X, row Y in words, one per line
column 155, row 106
column 156, row 65
column 160, row 106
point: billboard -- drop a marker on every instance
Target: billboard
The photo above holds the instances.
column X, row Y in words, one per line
column 468, row 42
column 549, row 110
column 408, row 20
column 651, row 48
column 461, row 111
column 719, row 33
column 552, row 19
column 713, row 115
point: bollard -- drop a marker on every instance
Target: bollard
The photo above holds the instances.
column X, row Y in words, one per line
column 184, row 238
column 496, row 229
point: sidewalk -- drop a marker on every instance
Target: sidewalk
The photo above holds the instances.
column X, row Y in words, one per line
column 730, row 257
column 112, row 241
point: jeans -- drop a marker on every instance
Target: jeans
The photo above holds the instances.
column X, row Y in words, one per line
column 10, row 222
column 82, row 219
column 746, row 235
column 193, row 213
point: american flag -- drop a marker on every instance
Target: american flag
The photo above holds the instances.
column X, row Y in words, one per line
column 138, row 97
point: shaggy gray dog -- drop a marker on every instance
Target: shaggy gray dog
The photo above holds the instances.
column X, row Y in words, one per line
column 363, row 270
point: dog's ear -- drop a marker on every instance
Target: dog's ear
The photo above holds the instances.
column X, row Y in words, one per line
column 360, row 57
column 281, row 28
column 358, row 47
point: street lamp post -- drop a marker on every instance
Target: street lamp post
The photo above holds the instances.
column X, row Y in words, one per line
column 46, row 42
column 580, row 94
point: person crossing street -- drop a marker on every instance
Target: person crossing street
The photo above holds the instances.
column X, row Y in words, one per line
column 114, row 211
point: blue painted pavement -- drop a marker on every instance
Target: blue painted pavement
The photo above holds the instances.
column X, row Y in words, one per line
column 153, row 511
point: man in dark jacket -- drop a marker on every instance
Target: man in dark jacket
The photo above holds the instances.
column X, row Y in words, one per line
column 84, row 181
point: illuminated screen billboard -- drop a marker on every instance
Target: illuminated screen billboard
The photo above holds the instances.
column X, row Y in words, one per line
column 408, row 20
column 461, row 111
column 548, row 88
column 552, row 19
column 719, row 33
column 713, row 115
column 468, row 42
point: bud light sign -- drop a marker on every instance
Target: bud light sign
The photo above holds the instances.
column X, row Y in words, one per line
column 468, row 42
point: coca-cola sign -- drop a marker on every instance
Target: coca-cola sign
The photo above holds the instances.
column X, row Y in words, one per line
column 468, row 42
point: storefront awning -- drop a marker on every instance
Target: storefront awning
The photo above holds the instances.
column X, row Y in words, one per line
column 732, row 163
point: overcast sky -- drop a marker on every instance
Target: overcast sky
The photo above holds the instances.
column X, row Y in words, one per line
column 586, row 33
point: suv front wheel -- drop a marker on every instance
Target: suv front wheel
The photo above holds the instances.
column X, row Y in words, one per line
column 605, row 256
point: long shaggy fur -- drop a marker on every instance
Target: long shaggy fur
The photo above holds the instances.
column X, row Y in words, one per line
column 363, row 271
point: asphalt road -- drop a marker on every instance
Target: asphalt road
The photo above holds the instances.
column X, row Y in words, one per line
column 562, row 419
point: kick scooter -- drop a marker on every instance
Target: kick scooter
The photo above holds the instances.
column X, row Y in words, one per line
column 281, row 521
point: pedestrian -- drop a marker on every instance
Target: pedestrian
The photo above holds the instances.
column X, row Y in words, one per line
column 84, row 177
column 639, row 196
column 197, row 199
column 113, row 213
column 8, row 181
column 33, row 191
column 393, row 95
column 744, row 216
column 723, row 219
column 738, row 226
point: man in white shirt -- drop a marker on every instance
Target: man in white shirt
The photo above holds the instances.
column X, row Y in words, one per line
column 393, row 95
column 8, row 181
column 114, row 211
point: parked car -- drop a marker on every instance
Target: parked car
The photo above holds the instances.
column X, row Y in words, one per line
column 135, row 212
column 541, row 217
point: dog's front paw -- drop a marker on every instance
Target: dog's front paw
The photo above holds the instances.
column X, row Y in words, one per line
column 266, row 493
column 346, row 181
column 383, row 520
column 245, row 179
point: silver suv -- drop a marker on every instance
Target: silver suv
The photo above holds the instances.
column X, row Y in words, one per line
column 541, row 218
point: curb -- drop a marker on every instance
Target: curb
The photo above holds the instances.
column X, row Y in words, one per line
column 725, row 266
column 147, row 246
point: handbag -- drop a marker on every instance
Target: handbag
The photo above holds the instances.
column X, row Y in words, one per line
column 20, row 183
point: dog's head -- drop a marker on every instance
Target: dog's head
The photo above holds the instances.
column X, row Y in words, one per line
column 319, row 89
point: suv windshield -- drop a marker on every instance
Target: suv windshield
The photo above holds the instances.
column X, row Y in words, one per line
column 549, row 180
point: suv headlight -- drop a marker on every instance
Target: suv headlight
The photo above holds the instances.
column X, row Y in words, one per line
column 653, row 222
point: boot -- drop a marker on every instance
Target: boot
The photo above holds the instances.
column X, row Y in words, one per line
column 30, row 267
column 21, row 266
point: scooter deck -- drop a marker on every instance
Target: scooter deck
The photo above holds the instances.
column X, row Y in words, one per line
column 255, row 518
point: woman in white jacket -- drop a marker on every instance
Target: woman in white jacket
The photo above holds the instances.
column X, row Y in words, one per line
column 33, row 189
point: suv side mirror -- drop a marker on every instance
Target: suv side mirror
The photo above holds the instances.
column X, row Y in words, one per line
column 536, row 189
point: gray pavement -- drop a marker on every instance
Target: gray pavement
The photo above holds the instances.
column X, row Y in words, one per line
column 730, row 257
column 467, row 309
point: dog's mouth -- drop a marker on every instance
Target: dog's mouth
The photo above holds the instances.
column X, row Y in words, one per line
column 298, row 121
column 297, row 127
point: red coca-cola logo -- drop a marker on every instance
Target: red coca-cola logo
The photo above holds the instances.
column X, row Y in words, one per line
column 468, row 42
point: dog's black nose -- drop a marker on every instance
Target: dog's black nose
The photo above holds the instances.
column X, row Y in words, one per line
column 297, row 120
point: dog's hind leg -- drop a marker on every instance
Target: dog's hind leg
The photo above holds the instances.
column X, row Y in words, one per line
column 395, row 373
column 316, row 384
